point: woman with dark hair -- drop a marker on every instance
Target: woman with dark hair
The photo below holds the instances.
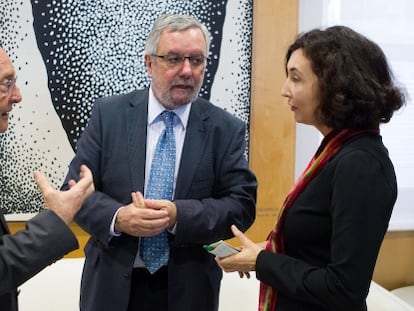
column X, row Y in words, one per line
column 322, row 252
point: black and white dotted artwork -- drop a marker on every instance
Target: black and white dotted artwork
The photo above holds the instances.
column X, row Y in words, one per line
column 67, row 53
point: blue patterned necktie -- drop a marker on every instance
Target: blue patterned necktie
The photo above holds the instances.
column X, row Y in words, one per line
column 154, row 250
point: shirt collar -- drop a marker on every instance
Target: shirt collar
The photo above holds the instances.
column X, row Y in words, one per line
column 155, row 108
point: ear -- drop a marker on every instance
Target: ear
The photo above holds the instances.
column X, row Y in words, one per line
column 148, row 64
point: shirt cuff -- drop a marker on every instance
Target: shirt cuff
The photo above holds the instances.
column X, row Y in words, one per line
column 112, row 231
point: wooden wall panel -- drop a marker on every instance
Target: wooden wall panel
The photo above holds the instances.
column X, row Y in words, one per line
column 272, row 130
column 395, row 263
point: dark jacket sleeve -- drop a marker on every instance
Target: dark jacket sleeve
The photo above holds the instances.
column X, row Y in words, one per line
column 223, row 189
column 46, row 239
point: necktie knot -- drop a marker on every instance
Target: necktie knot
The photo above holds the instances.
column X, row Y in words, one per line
column 168, row 117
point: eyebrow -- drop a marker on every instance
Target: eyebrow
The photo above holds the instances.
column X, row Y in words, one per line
column 7, row 75
column 293, row 70
column 181, row 54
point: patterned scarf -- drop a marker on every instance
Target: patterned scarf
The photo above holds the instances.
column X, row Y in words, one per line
column 329, row 147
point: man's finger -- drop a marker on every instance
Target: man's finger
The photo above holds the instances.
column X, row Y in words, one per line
column 137, row 199
column 85, row 183
column 71, row 183
column 85, row 175
column 42, row 182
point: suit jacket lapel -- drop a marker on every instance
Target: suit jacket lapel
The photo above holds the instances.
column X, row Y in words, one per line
column 137, row 115
column 193, row 148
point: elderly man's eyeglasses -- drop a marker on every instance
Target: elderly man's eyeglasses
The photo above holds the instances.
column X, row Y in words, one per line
column 8, row 85
column 174, row 60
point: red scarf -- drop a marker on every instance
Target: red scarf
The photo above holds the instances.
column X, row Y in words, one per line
column 275, row 243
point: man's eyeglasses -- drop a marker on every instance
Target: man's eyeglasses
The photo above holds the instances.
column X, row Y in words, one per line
column 8, row 85
column 174, row 60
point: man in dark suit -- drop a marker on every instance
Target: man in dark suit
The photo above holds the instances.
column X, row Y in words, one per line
column 213, row 186
column 47, row 236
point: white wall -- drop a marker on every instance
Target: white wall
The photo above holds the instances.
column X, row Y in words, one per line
column 307, row 137
column 390, row 24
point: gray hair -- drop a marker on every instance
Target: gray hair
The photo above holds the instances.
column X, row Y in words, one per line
column 174, row 22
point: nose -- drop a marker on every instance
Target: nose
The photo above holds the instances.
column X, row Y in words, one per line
column 186, row 68
column 285, row 89
column 15, row 95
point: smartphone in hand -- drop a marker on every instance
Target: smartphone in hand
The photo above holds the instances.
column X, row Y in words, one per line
column 221, row 249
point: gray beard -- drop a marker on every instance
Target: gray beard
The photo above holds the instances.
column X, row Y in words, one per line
column 170, row 105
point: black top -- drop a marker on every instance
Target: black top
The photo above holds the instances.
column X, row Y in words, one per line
column 333, row 231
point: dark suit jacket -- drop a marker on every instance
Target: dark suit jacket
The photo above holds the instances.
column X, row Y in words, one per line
column 22, row 255
column 214, row 190
column 333, row 232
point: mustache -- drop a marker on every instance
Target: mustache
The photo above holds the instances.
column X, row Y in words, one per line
column 183, row 84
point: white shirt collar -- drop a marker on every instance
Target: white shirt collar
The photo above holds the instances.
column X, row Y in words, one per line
column 155, row 108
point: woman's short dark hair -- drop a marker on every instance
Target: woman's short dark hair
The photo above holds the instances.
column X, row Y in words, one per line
column 356, row 82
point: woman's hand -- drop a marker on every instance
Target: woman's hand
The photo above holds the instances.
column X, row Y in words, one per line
column 245, row 260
